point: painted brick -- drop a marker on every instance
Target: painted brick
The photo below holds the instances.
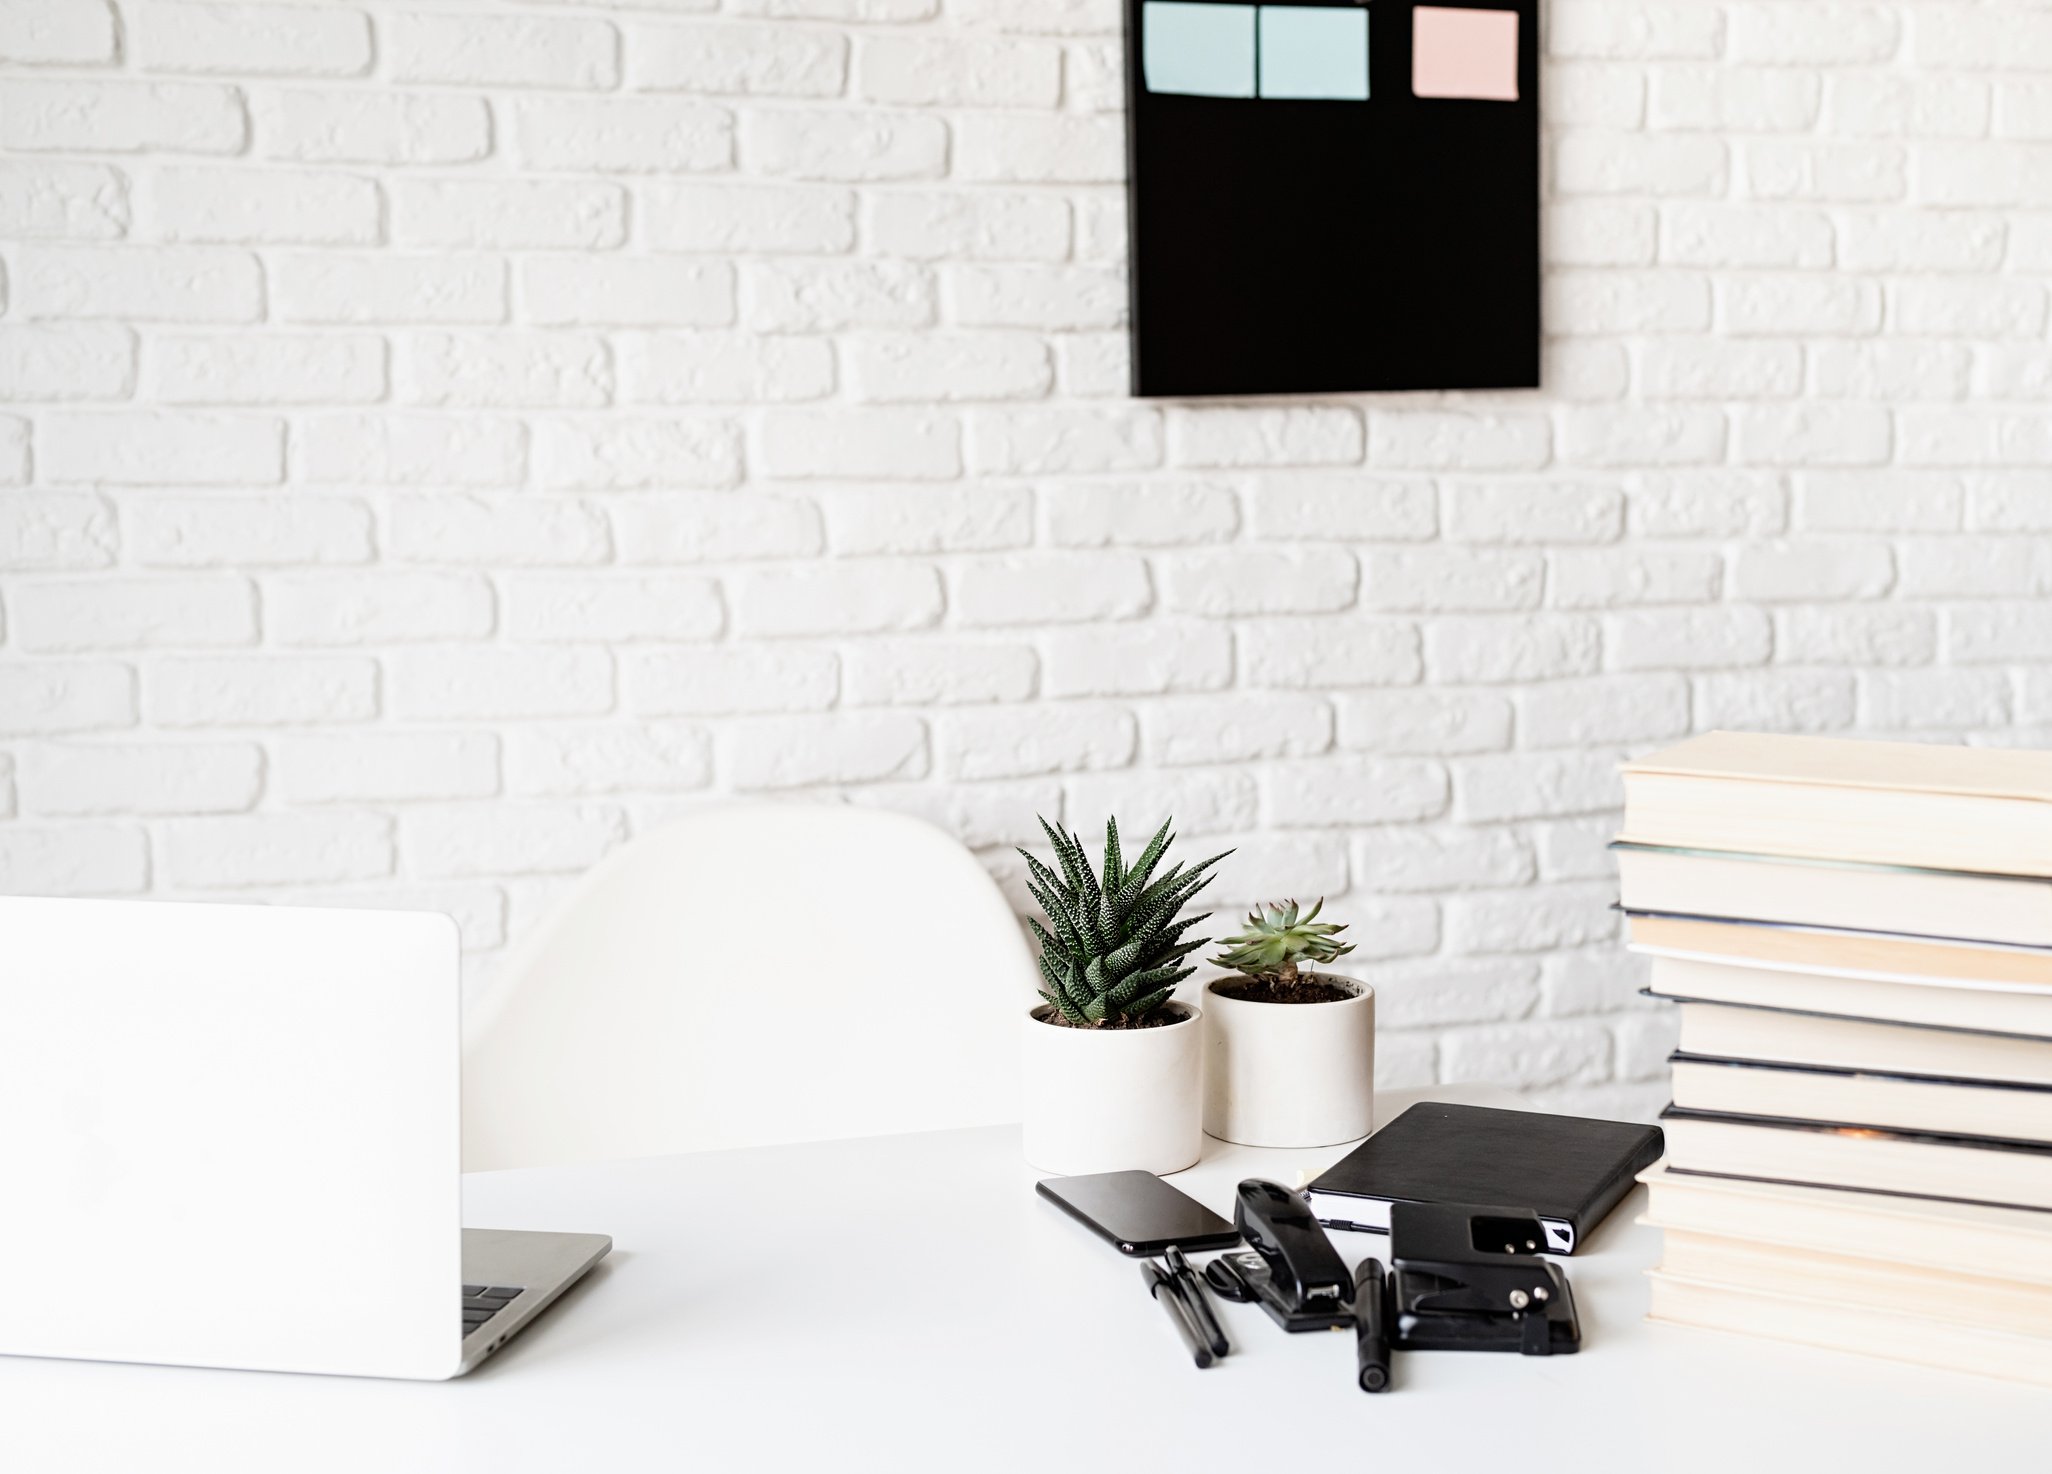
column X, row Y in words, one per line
column 1018, row 742
column 53, row 201
column 914, row 367
column 272, row 207
column 1146, row 514
column 1483, row 650
column 512, row 50
column 842, row 144
column 159, row 285
column 967, row 227
column 1041, row 442
column 260, row 690
column 629, row 292
column 1259, row 581
column 1235, row 728
column 275, row 849
column 376, row 609
column 804, row 751
column 722, row 681
column 823, row 296
column 752, row 60
column 66, row 362
column 1021, row 589
column 138, row 449
column 154, row 778
column 860, row 445
column 123, row 117
column 854, row 598
column 721, row 368
column 927, row 519
column 1776, row 700
column 1351, row 791
column 57, row 32
column 165, row 531
column 1320, row 653
column 621, row 135
column 73, row 860
column 266, row 369
column 609, row 607
column 360, row 126
column 753, row 218
column 645, row 450
column 439, row 288
column 55, row 531
column 498, row 531
column 1415, row 857
column 46, row 697
column 921, row 672
column 133, row 613
column 1347, row 505
column 460, row 683
column 402, row 450
column 609, row 757
column 505, row 369
column 916, row 71
column 243, row 40
column 700, row 527
column 1138, row 660
column 1059, row 298
column 528, row 214
column 384, row 767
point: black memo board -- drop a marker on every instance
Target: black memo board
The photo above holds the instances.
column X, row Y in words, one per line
column 1287, row 246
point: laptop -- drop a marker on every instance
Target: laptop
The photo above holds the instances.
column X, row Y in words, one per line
column 230, row 1137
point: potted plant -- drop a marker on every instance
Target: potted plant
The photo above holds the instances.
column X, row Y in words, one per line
column 1113, row 1066
column 1291, row 1059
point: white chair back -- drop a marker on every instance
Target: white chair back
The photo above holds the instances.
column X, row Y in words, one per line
column 750, row 975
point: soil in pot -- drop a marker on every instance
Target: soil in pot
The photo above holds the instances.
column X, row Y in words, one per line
column 1279, row 990
column 1161, row 1018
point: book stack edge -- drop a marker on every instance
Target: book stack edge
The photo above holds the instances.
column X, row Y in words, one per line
column 1858, row 937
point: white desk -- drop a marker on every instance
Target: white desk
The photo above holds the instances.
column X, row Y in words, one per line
column 908, row 1303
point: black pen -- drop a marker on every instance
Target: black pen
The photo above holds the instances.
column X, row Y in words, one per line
column 1198, row 1299
column 1170, row 1299
column 1371, row 1325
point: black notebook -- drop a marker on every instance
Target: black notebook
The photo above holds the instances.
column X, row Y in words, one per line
column 1568, row 1171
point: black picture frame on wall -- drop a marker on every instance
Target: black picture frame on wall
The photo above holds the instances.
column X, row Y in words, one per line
column 1288, row 246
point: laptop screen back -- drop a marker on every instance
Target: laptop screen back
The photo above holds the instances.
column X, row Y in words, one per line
column 229, row 1136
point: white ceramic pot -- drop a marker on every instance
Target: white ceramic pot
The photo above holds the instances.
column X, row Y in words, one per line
column 1290, row 1074
column 1111, row 1100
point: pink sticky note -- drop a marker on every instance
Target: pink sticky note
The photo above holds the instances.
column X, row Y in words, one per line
column 1464, row 53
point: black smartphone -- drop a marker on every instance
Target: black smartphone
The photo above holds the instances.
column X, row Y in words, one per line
column 1139, row 1213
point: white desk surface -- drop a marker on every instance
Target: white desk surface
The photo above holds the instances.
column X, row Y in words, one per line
column 908, row 1303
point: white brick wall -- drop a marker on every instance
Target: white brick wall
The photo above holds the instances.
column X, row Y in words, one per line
column 441, row 438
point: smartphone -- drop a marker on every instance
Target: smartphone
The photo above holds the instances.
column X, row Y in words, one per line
column 1138, row 1213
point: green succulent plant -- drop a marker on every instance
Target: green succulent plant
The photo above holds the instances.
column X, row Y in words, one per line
column 1112, row 949
column 1277, row 939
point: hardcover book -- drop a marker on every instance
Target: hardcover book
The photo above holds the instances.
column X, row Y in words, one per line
column 1568, row 1171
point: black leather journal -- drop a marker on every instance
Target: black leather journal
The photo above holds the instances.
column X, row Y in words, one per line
column 1568, row 1171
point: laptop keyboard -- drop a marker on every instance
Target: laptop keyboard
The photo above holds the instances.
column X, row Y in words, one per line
column 482, row 1302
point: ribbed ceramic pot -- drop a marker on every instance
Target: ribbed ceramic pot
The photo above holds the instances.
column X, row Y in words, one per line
column 1111, row 1100
column 1290, row 1074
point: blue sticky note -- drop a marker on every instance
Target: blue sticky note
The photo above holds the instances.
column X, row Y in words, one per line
column 1314, row 52
column 1197, row 50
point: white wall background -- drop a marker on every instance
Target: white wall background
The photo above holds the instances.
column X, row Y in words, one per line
column 445, row 440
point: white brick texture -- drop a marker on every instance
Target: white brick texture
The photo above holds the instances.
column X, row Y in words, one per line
column 440, row 438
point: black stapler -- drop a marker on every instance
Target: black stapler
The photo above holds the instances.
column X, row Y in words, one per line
column 1466, row 1279
column 1293, row 1271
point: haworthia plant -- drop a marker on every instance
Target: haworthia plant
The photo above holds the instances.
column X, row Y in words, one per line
column 1112, row 949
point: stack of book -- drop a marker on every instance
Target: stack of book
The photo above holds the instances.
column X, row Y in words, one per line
column 1859, row 939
